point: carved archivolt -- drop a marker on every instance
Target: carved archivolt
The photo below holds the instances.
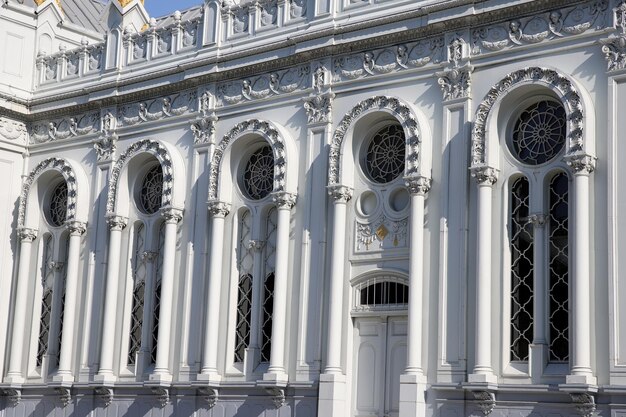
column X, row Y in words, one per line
column 399, row 110
column 265, row 129
column 69, row 175
column 164, row 158
column 570, row 97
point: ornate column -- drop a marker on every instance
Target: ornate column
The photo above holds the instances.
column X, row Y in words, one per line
column 105, row 373
column 341, row 195
column 418, row 187
column 276, row 371
column 580, row 363
column 218, row 211
column 161, row 368
column 76, row 230
column 486, row 177
column 27, row 236
column 332, row 391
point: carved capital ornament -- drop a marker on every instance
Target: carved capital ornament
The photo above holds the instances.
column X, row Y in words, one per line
column 284, row 200
column 418, row 185
column 218, row 208
column 484, row 175
column 340, row 193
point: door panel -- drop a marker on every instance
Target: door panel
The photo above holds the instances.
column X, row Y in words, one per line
column 379, row 360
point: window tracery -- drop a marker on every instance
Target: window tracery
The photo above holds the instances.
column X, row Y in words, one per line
column 258, row 175
column 156, row 303
column 268, row 286
column 57, row 207
column 244, row 287
column 384, row 157
column 151, row 191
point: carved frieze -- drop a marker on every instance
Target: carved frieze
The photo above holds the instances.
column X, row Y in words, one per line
column 64, row 128
column 159, row 108
column 263, row 86
column 275, row 140
column 382, row 233
column 402, row 112
column 571, row 101
column 534, row 29
column 394, row 58
column 13, row 130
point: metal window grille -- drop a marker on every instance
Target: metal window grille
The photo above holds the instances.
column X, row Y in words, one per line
column 63, row 285
column 245, row 261
column 46, row 300
column 384, row 160
column 381, row 293
column 521, row 271
column 57, row 208
column 139, row 288
column 539, row 133
column 559, row 269
column 258, row 177
column 268, row 286
column 156, row 307
column 151, row 191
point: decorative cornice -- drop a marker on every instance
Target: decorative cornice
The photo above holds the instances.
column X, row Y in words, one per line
column 165, row 159
column 399, row 110
column 484, row 175
column 581, row 163
column 319, row 108
column 218, row 208
column 116, row 223
column 26, row 234
column 269, row 131
column 570, row 98
column 69, row 175
column 340, row 193
column 455, row 83
column 418, row 185
column 284, row 200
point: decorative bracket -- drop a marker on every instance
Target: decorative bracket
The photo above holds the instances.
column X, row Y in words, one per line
column 65, row 395
column 585, row 403
column 209, row 395
column 485, row 400
column 13, row 395
column 162, row 394
column 105, row 395
column 278, row 394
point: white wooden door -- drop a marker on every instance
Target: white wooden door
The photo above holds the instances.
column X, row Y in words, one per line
column 379, row 359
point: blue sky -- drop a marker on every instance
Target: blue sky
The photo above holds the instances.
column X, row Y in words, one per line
column 157, row 8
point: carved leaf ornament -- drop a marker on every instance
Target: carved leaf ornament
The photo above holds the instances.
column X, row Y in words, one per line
column 541, row 76
column 402, row 112
column 69, row 175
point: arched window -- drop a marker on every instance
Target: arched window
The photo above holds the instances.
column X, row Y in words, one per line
column 245, row 261
column 47, row 281
column 156, row 294
column 381, row 293
column 537, row 230
column 139, row 288
column 268, row 285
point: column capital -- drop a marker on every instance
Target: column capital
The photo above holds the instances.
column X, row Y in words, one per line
column 284, row 200
column 455, row 83
column 172, row 214
column 116, row 223
column 418, row 185
column 581, row 163
column 27, row 234
column 319, row 107
column 76, row 228
column 218, row 208
column 340, row 193
column 484, row 175
column 203, row 129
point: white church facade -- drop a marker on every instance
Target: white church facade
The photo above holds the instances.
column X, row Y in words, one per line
column 313, row 208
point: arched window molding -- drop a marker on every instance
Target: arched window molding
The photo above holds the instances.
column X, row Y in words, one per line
column 339, row 168
column 285, row 158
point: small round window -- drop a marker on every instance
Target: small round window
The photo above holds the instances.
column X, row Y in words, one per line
column 57, row 207
column 384, row 158
column 539, row 133
column 258, row 176
column 151, row 190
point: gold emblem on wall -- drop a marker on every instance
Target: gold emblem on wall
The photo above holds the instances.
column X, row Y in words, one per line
column 123, row 3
